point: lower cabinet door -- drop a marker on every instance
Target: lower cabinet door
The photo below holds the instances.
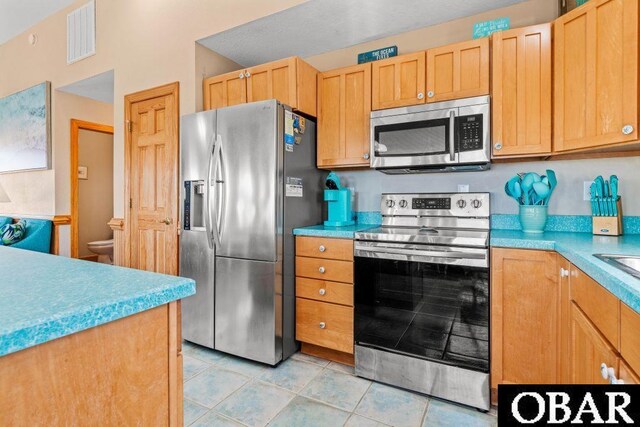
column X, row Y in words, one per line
column 589, row 351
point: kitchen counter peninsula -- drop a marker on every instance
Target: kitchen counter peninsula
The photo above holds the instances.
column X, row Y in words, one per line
column 89, row 342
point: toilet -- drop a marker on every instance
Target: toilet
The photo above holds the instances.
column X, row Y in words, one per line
column 104, row 250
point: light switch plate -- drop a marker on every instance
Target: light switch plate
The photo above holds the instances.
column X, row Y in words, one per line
column 463, row 188
column 586, row 195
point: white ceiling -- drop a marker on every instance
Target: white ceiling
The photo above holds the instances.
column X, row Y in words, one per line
column 98, row 87
column 319, row 26
column 16, row 16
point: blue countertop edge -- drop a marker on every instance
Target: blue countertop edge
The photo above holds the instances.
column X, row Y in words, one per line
column 579, row 249
column 25, row 334
column 346, row 232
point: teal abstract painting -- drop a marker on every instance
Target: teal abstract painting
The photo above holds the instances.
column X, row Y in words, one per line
column 25, row 129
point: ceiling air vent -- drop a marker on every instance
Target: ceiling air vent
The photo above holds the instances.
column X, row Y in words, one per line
column 81, row 33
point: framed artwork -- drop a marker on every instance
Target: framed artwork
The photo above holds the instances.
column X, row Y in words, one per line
column 25, row 129
column 83, row 172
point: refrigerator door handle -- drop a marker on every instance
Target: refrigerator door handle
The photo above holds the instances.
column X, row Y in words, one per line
column 207, row 195
column 213, row 174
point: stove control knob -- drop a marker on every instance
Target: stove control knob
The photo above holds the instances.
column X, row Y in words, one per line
column 391, row 203
column 403, row 203
column 461, row 203
column 476, row 203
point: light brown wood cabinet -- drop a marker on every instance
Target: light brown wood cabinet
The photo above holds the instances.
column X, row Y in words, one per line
column 291, row 81
column 596, row 75
column 459, row 70
column 224, row 90
column 552, row 323
column 524, row 317
column 344, row 108
column 324, row 297
column 521, row 91
column 398, row 81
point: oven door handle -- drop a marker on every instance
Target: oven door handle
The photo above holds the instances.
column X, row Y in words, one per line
column 478, row 259
column 452, row 135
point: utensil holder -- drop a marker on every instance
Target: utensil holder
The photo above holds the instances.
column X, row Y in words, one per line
column 609, row 225
column 533, row 218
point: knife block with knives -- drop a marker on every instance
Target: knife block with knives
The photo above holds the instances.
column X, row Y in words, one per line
column 606, row 206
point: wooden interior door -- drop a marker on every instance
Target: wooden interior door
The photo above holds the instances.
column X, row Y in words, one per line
column 596, row 75
column 521, row 91
column 152, row 179
column 344, row 105
column 398, row 81
column 524, row 317
column 225, row 90
column 273, row 80
column 459, row 70
column 589, row 349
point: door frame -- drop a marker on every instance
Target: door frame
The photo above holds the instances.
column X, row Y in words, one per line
column 129, row 100
column 76, row 126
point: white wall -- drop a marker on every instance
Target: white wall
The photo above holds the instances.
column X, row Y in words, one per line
column 566, row 200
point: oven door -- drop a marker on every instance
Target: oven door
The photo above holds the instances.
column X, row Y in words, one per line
column 424, row 301
column 414, row 139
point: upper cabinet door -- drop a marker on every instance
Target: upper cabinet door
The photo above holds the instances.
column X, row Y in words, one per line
column 224, row 90
column 459, row 70
column 522, row 91
column 291, row 81
column 344, row 108
column 596, row 75
column 398, row 81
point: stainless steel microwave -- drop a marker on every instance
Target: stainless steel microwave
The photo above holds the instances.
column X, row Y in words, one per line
column 443, row 136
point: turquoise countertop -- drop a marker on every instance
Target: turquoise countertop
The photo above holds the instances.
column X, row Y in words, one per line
column 347, row 232
column 579, row 249
column 43, row 297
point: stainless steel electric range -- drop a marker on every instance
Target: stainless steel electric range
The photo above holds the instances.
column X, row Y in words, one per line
column 422, row 296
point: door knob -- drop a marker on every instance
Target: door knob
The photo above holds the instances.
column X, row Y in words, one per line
column 627, row 130
column 322, row 292
column 241, row 75
column 322, row 248
column 430, row 94
column 498, row 146
column 321, row 270
column 420, row 95
column 166, row 221
column 247, row 74
column 366, row 156
column 322, row 325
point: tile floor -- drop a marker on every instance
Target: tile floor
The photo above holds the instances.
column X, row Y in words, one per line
column 222, row 390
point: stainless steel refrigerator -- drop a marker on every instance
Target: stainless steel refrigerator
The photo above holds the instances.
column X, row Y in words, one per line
column 249, row 177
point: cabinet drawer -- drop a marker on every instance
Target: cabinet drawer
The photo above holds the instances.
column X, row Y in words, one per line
column 601, row 306
column 322, row 290
column 324, row 324
column 629, row 342
column 325, row 269
column 322, row 247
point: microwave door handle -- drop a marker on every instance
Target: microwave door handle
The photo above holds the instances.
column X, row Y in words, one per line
column 452, row 135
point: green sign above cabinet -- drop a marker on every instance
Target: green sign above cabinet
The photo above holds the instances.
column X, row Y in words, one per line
column 486, row 28
column 375, row 55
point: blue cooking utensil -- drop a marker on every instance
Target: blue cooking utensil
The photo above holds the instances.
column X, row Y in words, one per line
column 553, row 182
column 614, row 194
column 594, row 204
column 542, row 191
column 509, row 188
column 607, row 206
column 527, row 186
column 600, row 194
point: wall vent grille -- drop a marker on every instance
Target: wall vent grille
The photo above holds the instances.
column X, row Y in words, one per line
column 81, row 33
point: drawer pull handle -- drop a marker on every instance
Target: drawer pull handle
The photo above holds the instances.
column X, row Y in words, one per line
column 322, row 292
column 321, row 270
column 322, row 325
column 608, row 373
column 322, row 248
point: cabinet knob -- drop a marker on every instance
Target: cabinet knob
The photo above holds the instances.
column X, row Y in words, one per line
column 322, row 325
column 241, row 75
column 420, row 95
column 247, row 74
column 322, row 248
column 430, row 94
column 608, row 373
column 627, row 130
column 321, row 270
column 322, row 292
column 564, row 272
column 365, row 156
column 497, row 146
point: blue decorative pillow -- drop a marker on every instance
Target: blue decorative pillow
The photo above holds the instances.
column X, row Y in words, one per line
column 13, row 233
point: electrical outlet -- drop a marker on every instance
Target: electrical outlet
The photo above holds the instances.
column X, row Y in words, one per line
column 463, row 188
column 586, row 190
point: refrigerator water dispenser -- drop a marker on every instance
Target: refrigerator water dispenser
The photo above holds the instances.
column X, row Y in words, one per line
column 193, row 205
